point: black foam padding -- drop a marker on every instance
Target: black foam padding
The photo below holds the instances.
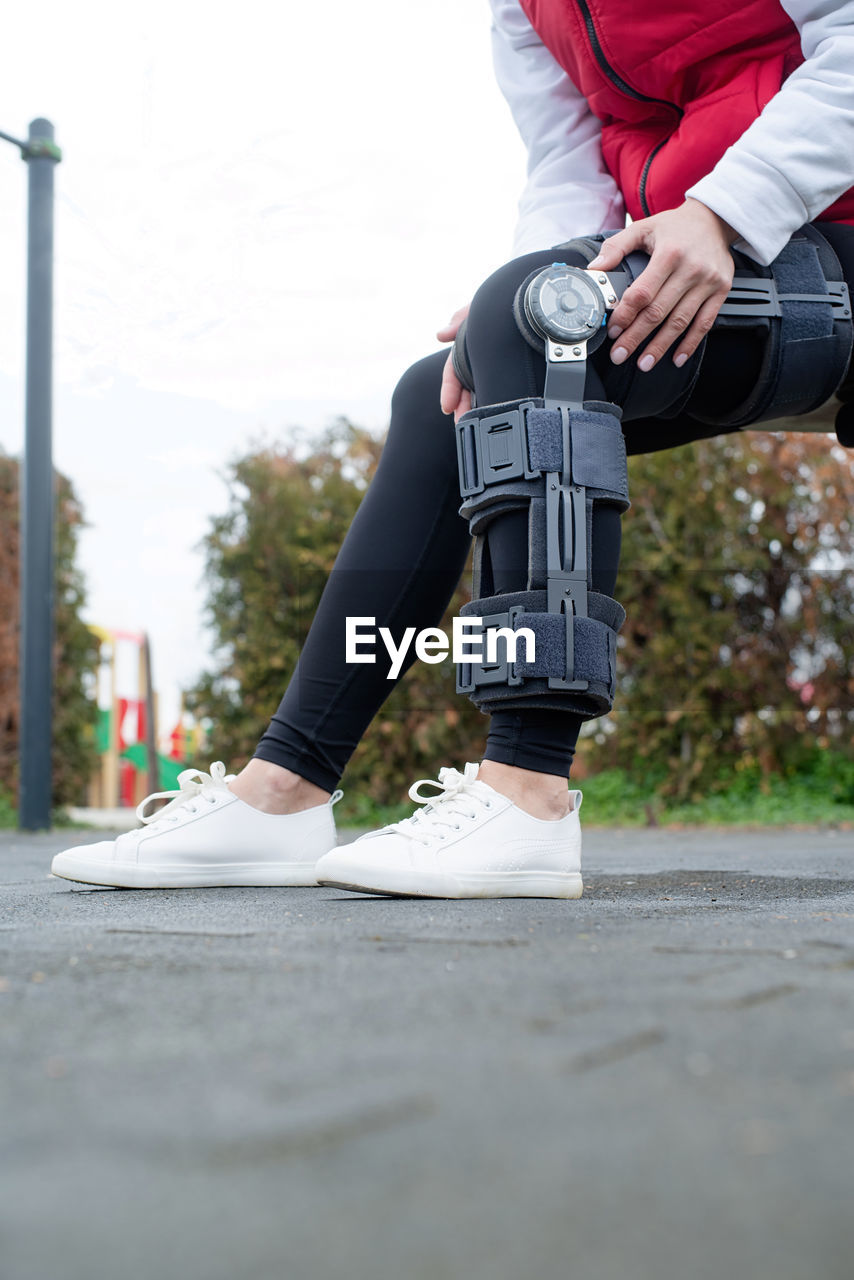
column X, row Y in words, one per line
column 587, row 246
column 537, row 544
column 478, row 509
column 528, row 332
column 460, row 358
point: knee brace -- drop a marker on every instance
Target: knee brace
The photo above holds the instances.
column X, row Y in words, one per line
column 799, row 307
column 554, row 644
column 553, row 456
column 558, row 454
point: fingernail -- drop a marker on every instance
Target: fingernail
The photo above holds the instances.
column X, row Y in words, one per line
column 618, row 355
column 597, row 261
column 614, row 331
column 645, row 363
column 680, row 360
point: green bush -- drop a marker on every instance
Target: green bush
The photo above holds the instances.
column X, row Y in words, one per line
column 735, row 666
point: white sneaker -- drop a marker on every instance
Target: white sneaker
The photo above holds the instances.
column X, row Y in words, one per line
column 206, row 836
column 467, row 842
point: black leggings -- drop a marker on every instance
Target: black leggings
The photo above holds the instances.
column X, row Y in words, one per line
column 406, row 548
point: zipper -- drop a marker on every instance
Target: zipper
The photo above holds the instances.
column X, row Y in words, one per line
column 625, row 88
column 644, row 174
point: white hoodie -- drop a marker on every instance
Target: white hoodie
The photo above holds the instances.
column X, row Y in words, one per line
column 791, row 164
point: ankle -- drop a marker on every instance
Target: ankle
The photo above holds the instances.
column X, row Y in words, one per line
column 543, row 795
column 272, row 789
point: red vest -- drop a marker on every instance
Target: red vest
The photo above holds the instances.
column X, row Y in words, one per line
column 674, row 85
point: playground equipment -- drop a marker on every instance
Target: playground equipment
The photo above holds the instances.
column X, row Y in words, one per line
column 131, row 766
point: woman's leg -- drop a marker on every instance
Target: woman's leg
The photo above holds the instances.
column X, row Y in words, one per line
column 400, row 564
column 532, row 747
column 506, row 368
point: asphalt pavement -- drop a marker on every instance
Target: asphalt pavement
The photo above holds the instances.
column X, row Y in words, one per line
column 654, row 1083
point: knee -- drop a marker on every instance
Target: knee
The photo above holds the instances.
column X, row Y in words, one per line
column 503, row 365
column 493, row 304
column 491, row 316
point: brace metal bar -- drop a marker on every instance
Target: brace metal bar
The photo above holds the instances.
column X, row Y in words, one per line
column 566, row 374
column 756, row 298
column 566, row 553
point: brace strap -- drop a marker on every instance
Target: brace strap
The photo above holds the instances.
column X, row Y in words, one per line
column 501, row 449
column 555, row 460
column 562, row 641
column 804, row 306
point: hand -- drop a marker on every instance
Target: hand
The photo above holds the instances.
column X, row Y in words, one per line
column 454, row 397
column 682, row 287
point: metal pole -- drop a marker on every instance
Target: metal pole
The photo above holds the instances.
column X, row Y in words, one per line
column 37, row 493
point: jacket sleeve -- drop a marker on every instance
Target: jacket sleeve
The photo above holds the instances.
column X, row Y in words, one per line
column 568, row 191
column 797, row 157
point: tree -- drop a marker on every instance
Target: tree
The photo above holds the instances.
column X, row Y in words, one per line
column 736, row 578
column 74, row 756
column 738, row 584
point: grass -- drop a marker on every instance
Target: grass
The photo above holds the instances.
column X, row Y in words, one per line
column 615, row 799
column 8, row 812
column 820, row 793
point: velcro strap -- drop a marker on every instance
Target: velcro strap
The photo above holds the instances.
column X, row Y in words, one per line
column 594, row 647
column 501, row 452
column 522, row 683
column 806, row 314
column 594, row 654
column 545, row 439
column 804, row 327
column 599, row 455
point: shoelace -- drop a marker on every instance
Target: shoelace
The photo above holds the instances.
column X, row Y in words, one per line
column 454, row 800
column 192, row 783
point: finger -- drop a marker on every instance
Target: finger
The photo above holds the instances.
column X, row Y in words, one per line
column 681, row 315
column 614, row 249
column 676, row 304
column 449, row 331
column 703, row 321
column 452, row 389
column 643, row 293
column 463, row 406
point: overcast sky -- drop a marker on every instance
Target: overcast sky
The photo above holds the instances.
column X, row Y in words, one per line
column 243, row 189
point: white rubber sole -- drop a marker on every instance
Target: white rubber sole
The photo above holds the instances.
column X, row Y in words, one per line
column 484, row 884
column 125, row 875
